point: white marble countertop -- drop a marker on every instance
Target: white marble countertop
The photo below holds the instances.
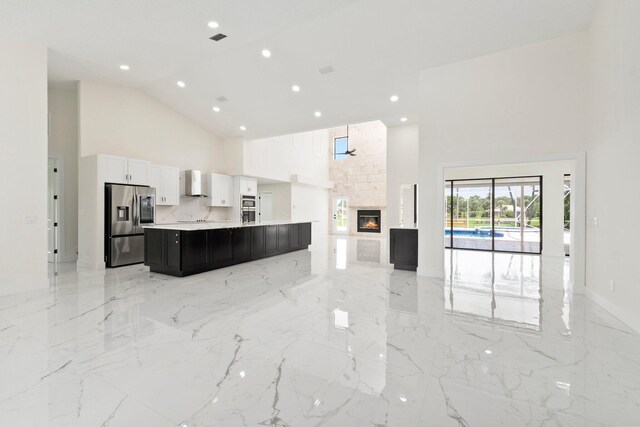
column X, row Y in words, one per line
column 191, row 226
column 406, row 226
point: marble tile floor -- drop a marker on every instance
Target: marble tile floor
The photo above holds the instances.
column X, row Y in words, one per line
column 332, row 336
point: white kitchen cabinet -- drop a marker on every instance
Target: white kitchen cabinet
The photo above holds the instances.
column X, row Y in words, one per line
column 166, row 181
column 171, row 185
column 248, row 186
column 138, row 171
column 219, row 190
column 115, row 169
column 121, row 170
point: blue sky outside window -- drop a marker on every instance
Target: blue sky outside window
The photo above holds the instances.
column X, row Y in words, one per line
column 340, row 147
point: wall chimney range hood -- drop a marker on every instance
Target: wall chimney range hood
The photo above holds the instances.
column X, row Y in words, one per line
column 192, row 183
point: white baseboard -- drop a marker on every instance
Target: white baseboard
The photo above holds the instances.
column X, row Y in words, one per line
column 630, row 319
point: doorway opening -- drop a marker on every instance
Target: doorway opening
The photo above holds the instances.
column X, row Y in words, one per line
column 494, row 214
column 340, row 215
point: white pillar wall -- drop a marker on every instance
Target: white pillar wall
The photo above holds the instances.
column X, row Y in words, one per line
column 23, row 167
column 553, row 213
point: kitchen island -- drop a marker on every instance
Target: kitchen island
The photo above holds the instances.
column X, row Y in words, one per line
column 186, row 249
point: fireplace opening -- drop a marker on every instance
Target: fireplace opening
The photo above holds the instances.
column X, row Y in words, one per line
column 369, row 221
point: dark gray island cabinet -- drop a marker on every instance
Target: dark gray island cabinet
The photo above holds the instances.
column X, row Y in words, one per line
column 183, row 252
column 403, row 248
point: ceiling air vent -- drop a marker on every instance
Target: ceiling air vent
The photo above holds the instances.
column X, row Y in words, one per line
column 218, row 37
column 325, row 70
column 221, row 99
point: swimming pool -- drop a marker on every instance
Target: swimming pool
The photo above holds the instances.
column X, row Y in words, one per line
column 477, row 232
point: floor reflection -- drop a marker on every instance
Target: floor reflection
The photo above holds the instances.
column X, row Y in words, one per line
column 325, row 336
column 497, row 287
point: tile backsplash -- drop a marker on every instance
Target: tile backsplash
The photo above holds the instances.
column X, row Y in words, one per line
column 190, row 209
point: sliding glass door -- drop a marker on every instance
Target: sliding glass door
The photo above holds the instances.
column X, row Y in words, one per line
column 500, row 214
column 469, row 206
column 518, row 215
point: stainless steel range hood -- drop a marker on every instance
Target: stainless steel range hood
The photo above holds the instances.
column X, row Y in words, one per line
column 192, row 183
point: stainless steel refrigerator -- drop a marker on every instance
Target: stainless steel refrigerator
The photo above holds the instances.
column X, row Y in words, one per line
column 127, row 209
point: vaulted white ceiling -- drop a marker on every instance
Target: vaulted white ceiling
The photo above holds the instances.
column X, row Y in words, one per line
column 376, row 47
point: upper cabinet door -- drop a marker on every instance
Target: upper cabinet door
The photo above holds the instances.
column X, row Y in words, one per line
column 216, row 190
column 253, row 187
column 170, row 186
column 139, row 172
column 220, row 190
column 155, row 181
column 115, row 169
column 248, row 186
column 227, row 190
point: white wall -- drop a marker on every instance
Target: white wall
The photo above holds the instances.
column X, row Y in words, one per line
column 402, row 165
column 63, row 145
column 124, row 121
column 311, row 204
column 613, row 158
column 23, row 167
column 518, row 105
column 281, row 199
column 279, row 158
column 233, row 155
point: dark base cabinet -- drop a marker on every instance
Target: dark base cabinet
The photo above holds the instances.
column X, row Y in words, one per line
column 403, row 246
column 182, row 253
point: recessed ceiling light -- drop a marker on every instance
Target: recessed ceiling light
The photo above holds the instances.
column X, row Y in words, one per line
column 243, row 128
column 488, row 351
column 394, row 98
column 180, row 83
column 317, row 114
column 403, row 119
column 124, row 67
column 295, row 88
column 213, row 24
column 266, row 53
column 216, row 109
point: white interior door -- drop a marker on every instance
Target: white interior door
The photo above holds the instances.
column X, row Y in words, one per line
column 340, row 215
column 266, row 206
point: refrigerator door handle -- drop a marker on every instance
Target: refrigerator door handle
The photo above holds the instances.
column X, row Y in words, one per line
column 135, row 210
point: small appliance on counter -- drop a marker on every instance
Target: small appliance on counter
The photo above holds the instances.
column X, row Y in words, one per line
column 248, row 208
column 127, row 209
